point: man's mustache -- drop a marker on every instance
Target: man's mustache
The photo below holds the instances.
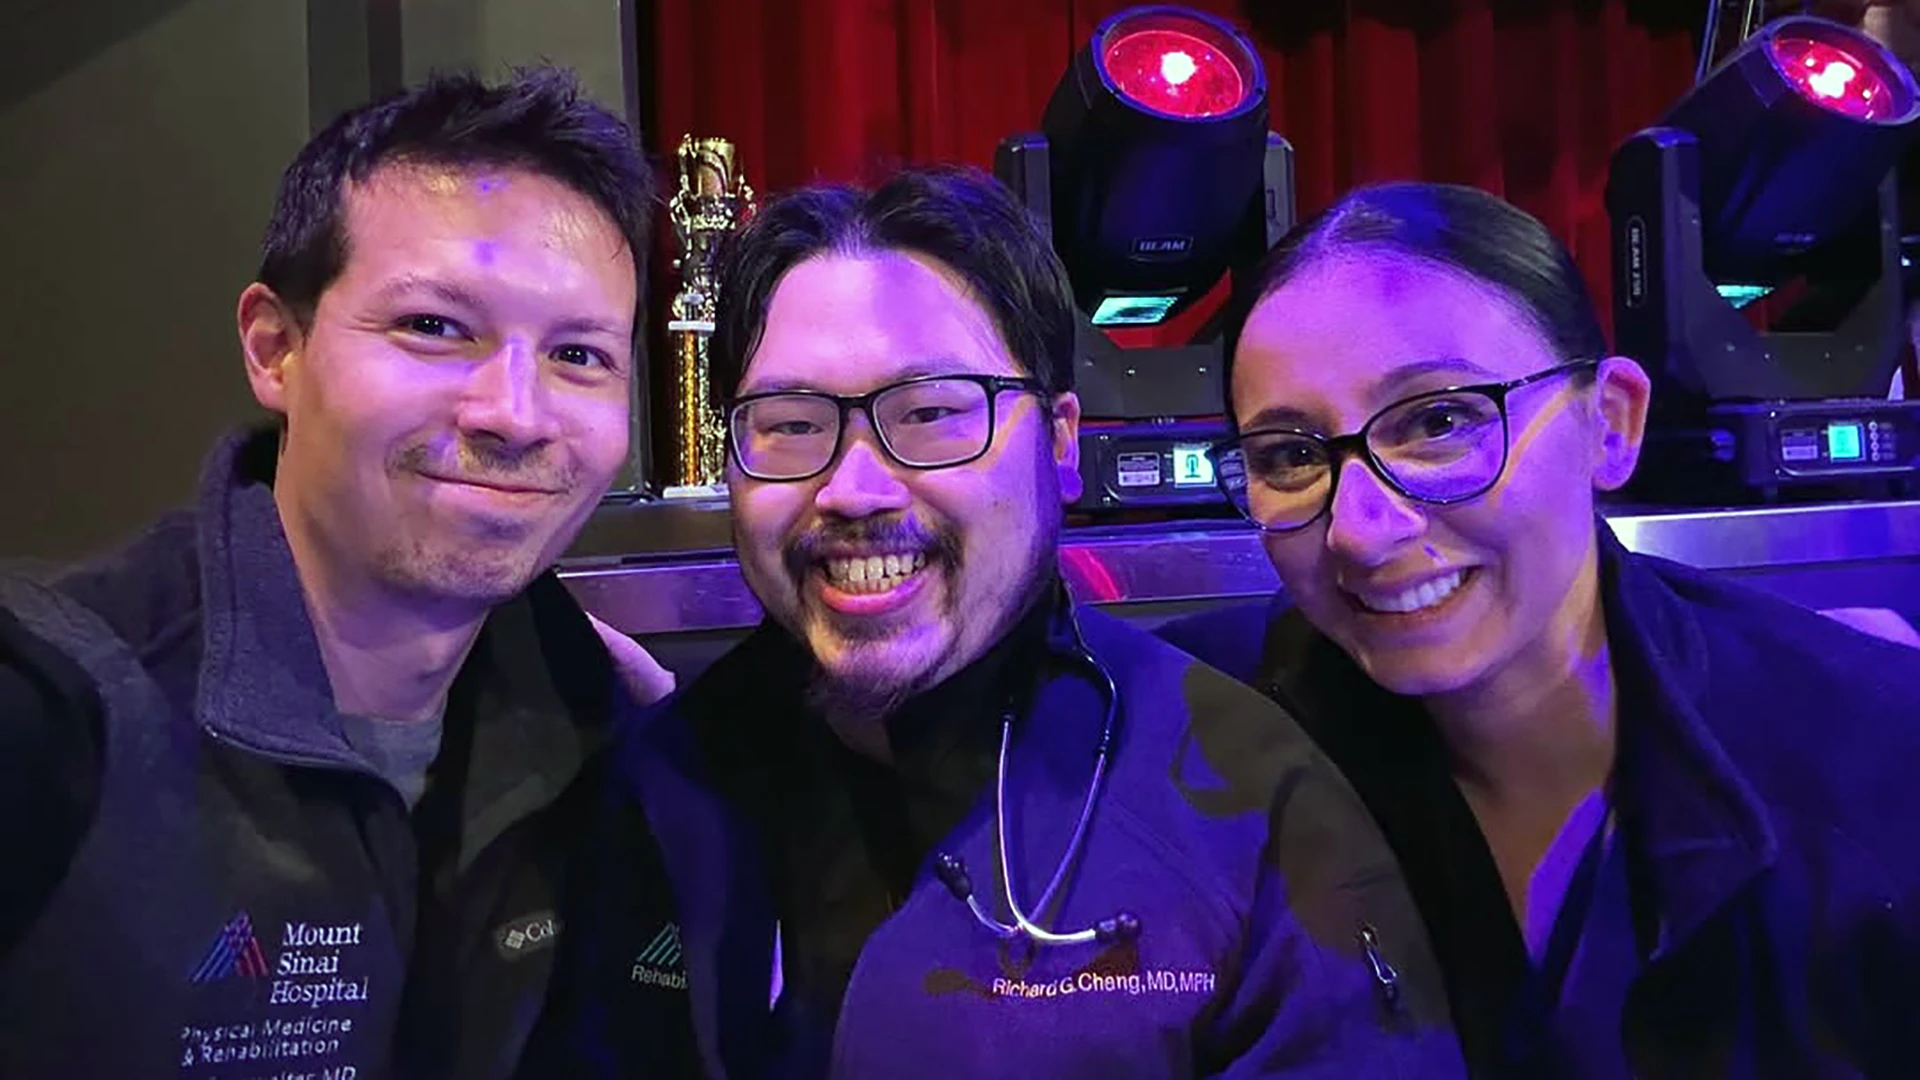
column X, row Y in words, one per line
column 491, row 465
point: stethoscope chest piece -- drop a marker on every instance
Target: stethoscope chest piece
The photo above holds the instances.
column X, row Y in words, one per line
column 952, row 872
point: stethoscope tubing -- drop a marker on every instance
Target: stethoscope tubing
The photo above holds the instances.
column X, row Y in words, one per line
column 952, row 872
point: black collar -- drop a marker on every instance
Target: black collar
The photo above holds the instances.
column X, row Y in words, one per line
column 750, row 720
column 1702, row 829
column 963, row 712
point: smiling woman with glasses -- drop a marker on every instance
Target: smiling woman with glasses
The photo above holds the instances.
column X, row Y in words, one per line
column 1655, row 822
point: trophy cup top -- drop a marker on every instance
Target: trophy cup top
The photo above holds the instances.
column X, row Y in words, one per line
column 707, row 168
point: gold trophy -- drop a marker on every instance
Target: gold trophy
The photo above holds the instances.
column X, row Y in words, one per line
column 712, row 201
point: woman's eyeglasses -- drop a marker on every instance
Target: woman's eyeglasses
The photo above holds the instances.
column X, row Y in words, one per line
column 1441, row 447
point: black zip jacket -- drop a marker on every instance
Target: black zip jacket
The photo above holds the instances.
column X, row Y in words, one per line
column 1765, row 919
column 1276, row 938
column 207, row 880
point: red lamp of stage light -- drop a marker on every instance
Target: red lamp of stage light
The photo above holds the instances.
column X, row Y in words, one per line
column 1170, row 62
column 1175, row 73
column 1836, row 78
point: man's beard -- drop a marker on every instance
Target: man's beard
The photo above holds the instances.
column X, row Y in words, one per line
column 858, row 702
column 857, row 710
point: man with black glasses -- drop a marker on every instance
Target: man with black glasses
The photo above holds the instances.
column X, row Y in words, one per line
column 967, row 828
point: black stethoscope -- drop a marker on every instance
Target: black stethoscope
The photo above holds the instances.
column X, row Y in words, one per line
column 1122, row 926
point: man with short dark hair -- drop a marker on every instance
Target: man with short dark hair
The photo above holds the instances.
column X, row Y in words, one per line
column 971, row 828
column 288, row 784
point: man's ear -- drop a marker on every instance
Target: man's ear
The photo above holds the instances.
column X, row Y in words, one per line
column 1066, row 445
column 270, row 339
column 1621, row 393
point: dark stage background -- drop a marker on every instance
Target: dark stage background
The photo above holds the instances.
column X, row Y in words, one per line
column 1525, row 99
column 135, row 210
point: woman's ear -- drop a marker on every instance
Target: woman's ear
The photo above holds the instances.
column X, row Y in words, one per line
column 1621, row 392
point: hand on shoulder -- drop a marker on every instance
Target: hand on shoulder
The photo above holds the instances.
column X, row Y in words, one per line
column 639, row 672
column 1880, row 622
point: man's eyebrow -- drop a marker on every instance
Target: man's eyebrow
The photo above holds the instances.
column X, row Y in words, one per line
column 937, row 365
column 459, row 296
column 583, row 324
column 420, row 283
column 918, row 369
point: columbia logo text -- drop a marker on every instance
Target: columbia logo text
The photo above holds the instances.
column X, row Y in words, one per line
column 528, row 934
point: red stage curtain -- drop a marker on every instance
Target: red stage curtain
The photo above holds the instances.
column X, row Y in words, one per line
column 1525, row 98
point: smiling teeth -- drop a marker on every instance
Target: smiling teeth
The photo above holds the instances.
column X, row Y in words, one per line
column 1419, row 598
column 873, row 573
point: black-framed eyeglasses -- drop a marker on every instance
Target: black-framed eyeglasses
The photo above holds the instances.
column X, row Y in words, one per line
column 1440, row 447
column 927, row 422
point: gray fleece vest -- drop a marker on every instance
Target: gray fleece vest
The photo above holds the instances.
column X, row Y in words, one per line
column 221, row 918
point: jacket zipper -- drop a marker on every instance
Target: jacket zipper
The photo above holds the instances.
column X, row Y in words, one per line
column 1385, row 978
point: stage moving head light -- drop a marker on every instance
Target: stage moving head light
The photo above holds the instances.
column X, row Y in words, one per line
column 1158, row 131
column 1795, row 131
column 1757, row 265
column 1154, row 176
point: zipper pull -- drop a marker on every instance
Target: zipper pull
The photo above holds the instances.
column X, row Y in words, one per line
column 1384, row 975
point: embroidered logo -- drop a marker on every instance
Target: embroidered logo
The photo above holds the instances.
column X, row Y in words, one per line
column 659, row 964
column 527, row 934
column 234, row 952
column 1114, row 971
